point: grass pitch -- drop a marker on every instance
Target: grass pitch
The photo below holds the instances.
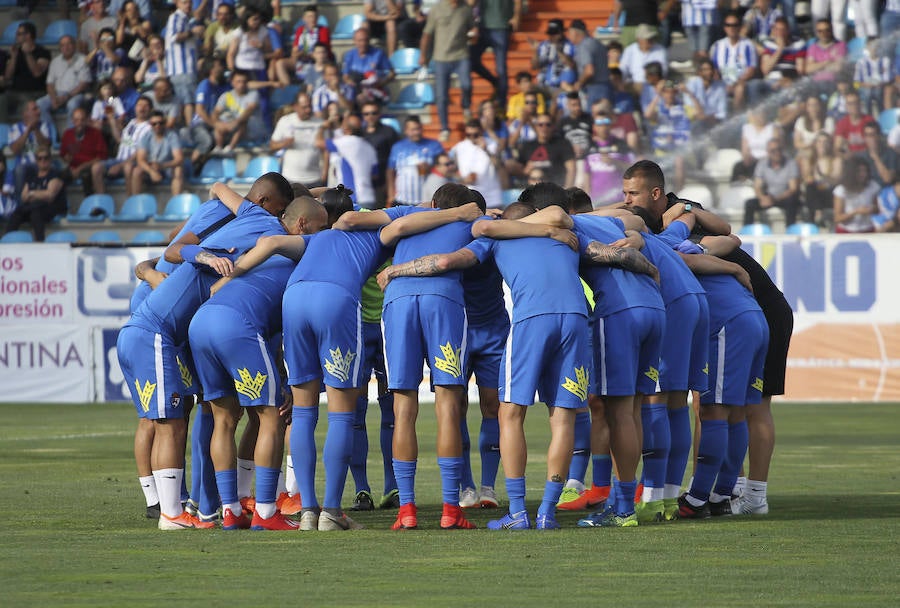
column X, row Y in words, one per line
column 74, row 532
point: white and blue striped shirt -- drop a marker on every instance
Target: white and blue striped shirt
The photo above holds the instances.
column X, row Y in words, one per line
column 732, row 60
column 181, row 57
column 873, row 70
column 698, row 12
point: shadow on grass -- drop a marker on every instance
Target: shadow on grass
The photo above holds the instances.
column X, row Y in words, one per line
column 833, row 506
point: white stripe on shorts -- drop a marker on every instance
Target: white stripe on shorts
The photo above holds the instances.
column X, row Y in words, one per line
column 270, row 373
column 601, row 331
column 507, row 368
column 360, row 349
column 161, row 390
column 720, row 367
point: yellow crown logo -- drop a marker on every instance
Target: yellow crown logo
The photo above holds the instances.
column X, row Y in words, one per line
column 145, row 393
column 248, row 385
column 450, row 364
column 579, row 386
column 339, row 366
column 186, row 379
column 706, row 368
column 652, row 373
column 758, row 384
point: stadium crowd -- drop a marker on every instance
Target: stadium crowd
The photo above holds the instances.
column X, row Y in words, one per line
column 217, row 73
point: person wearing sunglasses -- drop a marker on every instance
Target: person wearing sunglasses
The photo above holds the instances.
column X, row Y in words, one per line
column 551, row 152
column 735, row 57
column 43, row 196
column 159, row 157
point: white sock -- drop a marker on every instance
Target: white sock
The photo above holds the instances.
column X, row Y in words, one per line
column 281, row 489
column 756, row 491
column 168, row 485
column 148, row 485
column 694, row 502
column 713, row 497
column 265, row 509
column 245, row 469
column 290, row 481
column 672, row 491
column 739, row 486
column 651, row 494
column 575, row 483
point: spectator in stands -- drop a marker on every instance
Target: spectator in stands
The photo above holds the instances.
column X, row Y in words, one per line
column 133, row 29
column 25, row 137
column 163, row 98
column 576, row 126
column 782, row 58
column 8, row 202
column 890, row 17
column 550, row 152
column 351, row 160
column 809, row 124
column 367, row 68
column 81, row 148
column 605, row 161
column 848, row 131
column 888, row 217
column 614, row 53
column 443, row 172
column 493, row 129
column 219, row 34
column 43, row 196
column 410, row 161
column 653, row 78
column 382, row 137
column 499, row 18
column 521, row 128
column 67, row 79
column 107, row 113
column 91, row 28
column 637, row 13
column 477, row 168
column 699, row 19
column 756, row 134
column 159, row 158
column 590, row 62
column 153, row 63
column 672, row 126
column 248, row 51
column 622, row 99
column 410, row 31
column 183, row 36
column 776, row 181
column 548, row 56
column 448, row 27
column 837, row 101
column 638, row 54
column 623, row 127
column 884, row 164
column 709, row 92
column 123, row 81
column 820, row 13
column 760, row 20
column 128, row 139
column 385, row 17
column 825, row 56
column 199, row 133
column 26, row 70
column 873, row 76
column 866, row 19
column 295, row 136
column 736, row 59
column 855, row 198
column 525, row 84
column 309, row 34
column 332, row 90
column 237, row 116
column 105, row 57
column 312, row 75
column 822, row 171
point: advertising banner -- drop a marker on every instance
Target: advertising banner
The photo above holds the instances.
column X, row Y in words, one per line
column 46, row 363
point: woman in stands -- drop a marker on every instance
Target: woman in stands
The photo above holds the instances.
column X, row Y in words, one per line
column 821, row 170
column 809, row 125
column 855, row 198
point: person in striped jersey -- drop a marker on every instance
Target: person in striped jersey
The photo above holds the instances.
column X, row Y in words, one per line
column 183, row 36
column 734, row 56
column 411, row 159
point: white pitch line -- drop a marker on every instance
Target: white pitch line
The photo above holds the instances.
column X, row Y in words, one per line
column 73, row 436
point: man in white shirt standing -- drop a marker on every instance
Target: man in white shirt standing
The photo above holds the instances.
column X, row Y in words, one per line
column 638, row 54
column 478, row 168
column 67, row 78
column 295, row 134
column 351, row 161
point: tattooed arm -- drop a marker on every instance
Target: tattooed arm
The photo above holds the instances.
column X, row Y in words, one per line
column 428, row 265
column 625, row 258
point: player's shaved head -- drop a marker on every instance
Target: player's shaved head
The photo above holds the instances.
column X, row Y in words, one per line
column 305, row 215
column 517, row 211
column 300, row 190
column 544, row 194
column 272, row 192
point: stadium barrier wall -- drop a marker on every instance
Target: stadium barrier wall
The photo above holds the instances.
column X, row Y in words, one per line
column 61, row 307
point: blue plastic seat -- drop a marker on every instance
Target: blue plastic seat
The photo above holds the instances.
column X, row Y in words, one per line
column 57, row 29
column 346, row 26
column 63, row 236
column 802, row 229
column 17, row 236
column 888, row 119
column 257, row 167
column 216, row 169
column 756, row 230
column 4, row 135
column 510, row 196
column 392, row 122
column 148, row 236
column 179, row 208
column 284, row 96
column 136, row 208
column 105, row 236
column 9, row 34
column 405, row 61
column 855, row 48
column 413, row 96
column 94, row 208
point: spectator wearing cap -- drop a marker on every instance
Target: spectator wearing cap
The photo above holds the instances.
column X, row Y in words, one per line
column 590, row 63
column 499, row 18
column 548, row 56
column 447, row 30
column 639, row 12
column 641, row 52
column 67, row 79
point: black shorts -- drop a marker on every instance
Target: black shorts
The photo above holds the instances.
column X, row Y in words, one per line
column 780, row 318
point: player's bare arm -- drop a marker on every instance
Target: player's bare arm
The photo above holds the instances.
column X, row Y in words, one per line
column 288, row 245
column 553, row 215
column 516, row 229
column 146, row 271
column 416, row 223
column 710, row 264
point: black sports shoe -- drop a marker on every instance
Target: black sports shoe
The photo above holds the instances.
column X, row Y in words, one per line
column 720, row 509
column 153, row 511
column 363, row 502
column 688, row 511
